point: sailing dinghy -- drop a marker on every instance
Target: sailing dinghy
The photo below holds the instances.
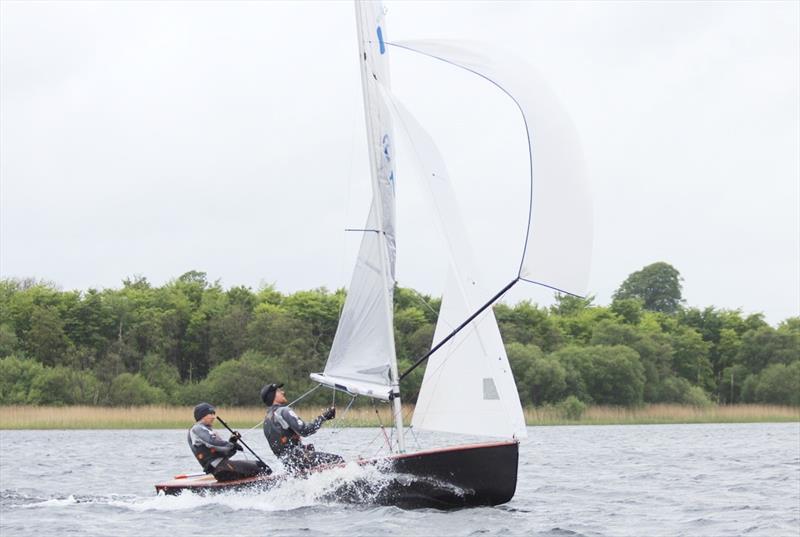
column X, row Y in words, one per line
column 468, row 387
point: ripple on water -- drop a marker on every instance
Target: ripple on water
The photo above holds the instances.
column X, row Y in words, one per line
column 573, row 481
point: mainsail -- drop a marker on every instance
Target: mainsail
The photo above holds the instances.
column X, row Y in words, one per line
column 362, row 358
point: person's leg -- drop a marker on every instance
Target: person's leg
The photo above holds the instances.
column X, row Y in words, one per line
column 320, row 457
column 228, row 470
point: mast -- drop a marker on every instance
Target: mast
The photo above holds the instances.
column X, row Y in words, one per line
column 371, row 47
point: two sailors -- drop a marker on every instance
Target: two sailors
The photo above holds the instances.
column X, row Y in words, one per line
column 283, row 429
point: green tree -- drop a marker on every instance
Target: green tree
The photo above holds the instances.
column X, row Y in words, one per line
column 731, row 383
column 319, row 310
column 611, row 375
column 527, row 323
column 64, row 386
column 545, row 380
column 567, row 305
column 239, row 382
column 8, row 340
column 288, row 341
column 571, row 408
column 629, row 310
column 46, row 340
column 658, row 286
column 764, row 346
column 779, row 384
column 407, row 322
column 653, row 346
column 578, row 327
column 16, row 378
column 540, row 379
column 690, row 358
column 133, row 390
column 158, row 373
column 228, row 331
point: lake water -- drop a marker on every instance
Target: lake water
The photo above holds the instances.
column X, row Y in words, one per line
column 721, row 479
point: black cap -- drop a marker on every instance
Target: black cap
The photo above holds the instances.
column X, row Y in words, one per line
column 268, row 393
column 203, row 409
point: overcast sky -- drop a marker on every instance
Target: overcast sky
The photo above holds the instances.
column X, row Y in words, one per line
column 154, row 138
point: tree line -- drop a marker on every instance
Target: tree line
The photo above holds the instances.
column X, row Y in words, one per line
column 191, row 340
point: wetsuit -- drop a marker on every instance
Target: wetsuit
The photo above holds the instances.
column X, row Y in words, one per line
column 283, row 429
column 214, row 455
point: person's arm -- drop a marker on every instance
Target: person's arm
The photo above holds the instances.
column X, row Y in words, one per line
column 299, row 426
column 204, row 435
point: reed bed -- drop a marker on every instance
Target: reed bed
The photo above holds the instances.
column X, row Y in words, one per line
column 243, row 418
column 664, row 413
column 166, row 417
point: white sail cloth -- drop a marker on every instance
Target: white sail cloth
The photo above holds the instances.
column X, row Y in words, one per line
column 468, row 385
column 363, row 348
column 558, row 249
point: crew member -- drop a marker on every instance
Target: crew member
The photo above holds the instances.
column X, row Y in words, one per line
column 283, row 429
column 214, row 454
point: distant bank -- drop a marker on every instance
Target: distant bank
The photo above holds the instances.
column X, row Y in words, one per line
column 176, row 417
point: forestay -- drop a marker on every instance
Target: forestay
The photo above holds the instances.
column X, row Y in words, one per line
column 558, row 248
column 468, row 385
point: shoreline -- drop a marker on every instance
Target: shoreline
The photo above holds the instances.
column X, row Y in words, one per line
column 179, row 417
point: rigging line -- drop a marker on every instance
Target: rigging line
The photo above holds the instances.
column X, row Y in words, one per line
column 383, row 429
column 347, row 408
column 338, row 428
column 416, row 440
column 551, row 287
column 426, row 304
column 419, row 299
column 259, row 424
column 527, row 134
column 315, row 388
column 369, row 444
column 459, row 328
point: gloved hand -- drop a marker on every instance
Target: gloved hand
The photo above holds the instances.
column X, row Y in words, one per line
column 329, row 414
column 237, row 447
column 235, row 437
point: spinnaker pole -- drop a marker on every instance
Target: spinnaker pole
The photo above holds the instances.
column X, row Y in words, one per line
column 460, row 327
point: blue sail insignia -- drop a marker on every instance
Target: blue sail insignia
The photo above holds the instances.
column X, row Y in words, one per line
column 381, row 44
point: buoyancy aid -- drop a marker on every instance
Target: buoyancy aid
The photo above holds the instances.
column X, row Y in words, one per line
column 205, row 455
column 281, row 438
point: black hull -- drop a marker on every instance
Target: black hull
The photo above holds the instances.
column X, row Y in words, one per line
column 464, row 476
column 455, row 477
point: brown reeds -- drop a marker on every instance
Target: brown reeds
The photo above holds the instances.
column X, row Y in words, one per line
column 665, row 413
column 162, row 417
column 175, row 417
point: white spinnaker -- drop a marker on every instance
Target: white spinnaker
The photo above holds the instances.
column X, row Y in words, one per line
column 468, row 385
column 559, row 244
column 363, row 348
